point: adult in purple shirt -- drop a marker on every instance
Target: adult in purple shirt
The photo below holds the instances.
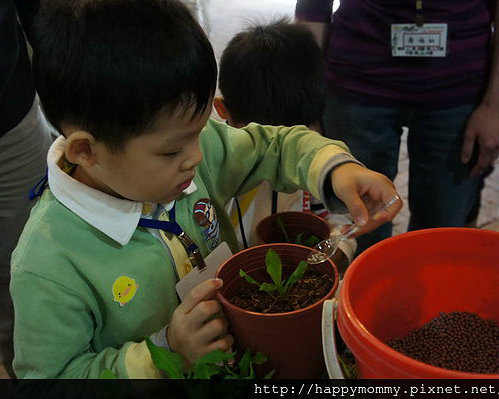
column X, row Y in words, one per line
column 429, row 65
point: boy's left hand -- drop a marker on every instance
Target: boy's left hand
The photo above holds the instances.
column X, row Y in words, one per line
column 362, row 189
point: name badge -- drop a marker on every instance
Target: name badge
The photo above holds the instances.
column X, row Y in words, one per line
column 410, row 40
column 219, row 255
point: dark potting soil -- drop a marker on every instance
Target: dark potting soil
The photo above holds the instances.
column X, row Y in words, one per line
column 459, row 341
column 312, row 287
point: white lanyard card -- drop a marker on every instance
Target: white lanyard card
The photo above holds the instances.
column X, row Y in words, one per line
column 410, row 40
column 219, row 255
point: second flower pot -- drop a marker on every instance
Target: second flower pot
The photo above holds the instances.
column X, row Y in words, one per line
column 268, row 230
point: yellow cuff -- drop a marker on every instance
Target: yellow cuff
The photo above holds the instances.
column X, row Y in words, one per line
column 317, row 165
column 138, row 362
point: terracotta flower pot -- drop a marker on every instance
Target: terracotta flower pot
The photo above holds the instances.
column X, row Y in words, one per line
column 268, row 231
column 291, row 340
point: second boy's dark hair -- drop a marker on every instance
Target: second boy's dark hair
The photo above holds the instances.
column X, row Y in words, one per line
column 113, row 66
column 273, row 74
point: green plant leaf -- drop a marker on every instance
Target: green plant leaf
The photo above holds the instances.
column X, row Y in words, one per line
column 207, row 366
column 107, row 375
column 259, row 358
column 267, row 287
column 269, row 375
column 281, row 226
column 349, row 367
column 299, row 238
column 248, row 278
column 228, row 371
column 274, row 267
column 312, row 241
column 297, row 274
column 205, row 371
column 171, row 363
column 216, row 356
column 211, row 364
column 245, row 364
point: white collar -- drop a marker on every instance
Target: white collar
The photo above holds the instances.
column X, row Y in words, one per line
column 115, row 217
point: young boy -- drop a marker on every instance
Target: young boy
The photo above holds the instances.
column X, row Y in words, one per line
column 129, row 84
column 273, row 74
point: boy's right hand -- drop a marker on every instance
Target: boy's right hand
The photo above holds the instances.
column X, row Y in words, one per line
column 193, row 331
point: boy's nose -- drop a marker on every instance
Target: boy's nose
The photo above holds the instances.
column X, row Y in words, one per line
column 194, row 158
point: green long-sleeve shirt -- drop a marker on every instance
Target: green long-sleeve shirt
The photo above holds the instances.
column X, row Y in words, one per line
column 68, row 322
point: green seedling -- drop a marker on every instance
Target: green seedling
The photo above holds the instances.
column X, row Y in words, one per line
column 280, row 223
column 274, row 269
column 348, row 366
column 216, row 364
column 311, row 241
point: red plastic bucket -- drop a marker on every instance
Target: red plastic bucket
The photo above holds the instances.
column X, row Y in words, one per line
column 403, row 282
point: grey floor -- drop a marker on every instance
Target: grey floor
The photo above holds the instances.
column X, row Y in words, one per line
column 227, row 17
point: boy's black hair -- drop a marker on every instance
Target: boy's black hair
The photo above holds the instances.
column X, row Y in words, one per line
column 273, row 74
column 112, row 67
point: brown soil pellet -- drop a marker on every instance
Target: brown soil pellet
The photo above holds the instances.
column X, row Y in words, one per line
column 460, row 341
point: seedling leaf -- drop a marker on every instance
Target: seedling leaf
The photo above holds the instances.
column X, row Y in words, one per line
column 274, row 267
column 312, row 241
column 267, row 287
column 247, row 277
column 171, row 363
column 297, row 274
column 349, row 368
column 280, row 224
column 245, row 364
column 259, row 358
column 269, row 375
column 211, row 364
column 208, row 365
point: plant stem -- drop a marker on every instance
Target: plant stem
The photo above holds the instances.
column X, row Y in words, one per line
column 280, row 223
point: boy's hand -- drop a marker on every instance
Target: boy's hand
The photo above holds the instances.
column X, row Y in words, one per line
column 193, row 330
column 361, row 190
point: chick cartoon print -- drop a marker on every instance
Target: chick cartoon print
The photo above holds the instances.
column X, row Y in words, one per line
column 124, row 289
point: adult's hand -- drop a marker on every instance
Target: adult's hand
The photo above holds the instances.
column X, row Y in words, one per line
column 482, row 130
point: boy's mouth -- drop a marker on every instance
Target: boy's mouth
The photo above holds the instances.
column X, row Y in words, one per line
column 184, row 185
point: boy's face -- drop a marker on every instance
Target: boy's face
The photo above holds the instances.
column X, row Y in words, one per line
column 156, row 166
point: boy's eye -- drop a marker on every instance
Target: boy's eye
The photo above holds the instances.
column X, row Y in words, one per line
column 171, row 154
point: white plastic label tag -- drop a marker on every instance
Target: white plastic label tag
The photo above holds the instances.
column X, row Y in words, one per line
column 410, row 40
column 219, row 255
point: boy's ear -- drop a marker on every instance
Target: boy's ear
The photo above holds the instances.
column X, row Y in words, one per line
column 80, row 149
column 218, row 103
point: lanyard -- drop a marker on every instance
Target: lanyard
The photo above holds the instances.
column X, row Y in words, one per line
column 40, row 186
column 173, row 227
column 419, row 13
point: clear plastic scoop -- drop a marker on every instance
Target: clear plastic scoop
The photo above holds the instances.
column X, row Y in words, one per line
column 325, row 249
